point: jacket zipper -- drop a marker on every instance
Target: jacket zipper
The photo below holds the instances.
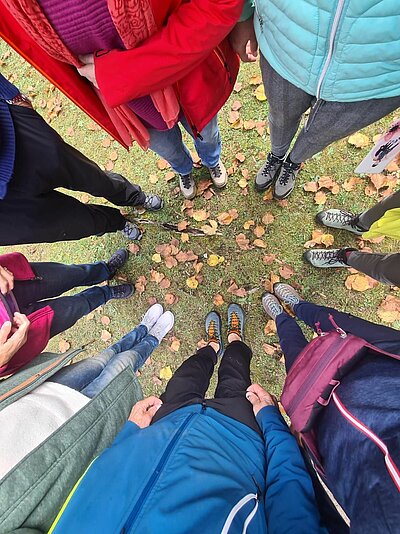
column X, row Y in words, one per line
column 311, row 377
column 156, row 473
column 260, row 20
column 338, row 14
column 218, row 52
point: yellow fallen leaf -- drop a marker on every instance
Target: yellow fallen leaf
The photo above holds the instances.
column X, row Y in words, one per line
column 192, row 282
column 166, row 373
column 260, row 93
column 200, row 215
column 359, row 140
column 320, row 197
column 214, row 260
column 259, row 231
column 248, row 224
column 259, row 243
column 175, row 345
column 242, row 183
column 156, row 258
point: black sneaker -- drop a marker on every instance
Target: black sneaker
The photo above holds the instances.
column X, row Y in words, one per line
column 122, row 291
column 236, row 320
column 153, row 203
column 214, row 330
column 284, row 184
column 117, row 260
column 323, row 258
column 268, row 172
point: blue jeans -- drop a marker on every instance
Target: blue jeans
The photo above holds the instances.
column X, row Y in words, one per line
column 292, row 339
column 92, row 375
column 54, row 279
column 169, row 145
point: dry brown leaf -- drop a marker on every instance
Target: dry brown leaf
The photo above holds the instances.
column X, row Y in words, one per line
column 182, row 225
column 200, row 215
column 163, row 164
column 268, row 259
column 236, row 105
column 268, row 218
column 270, row 350
column 105, row 320
column 270, row 328
column 175, row 345
column 389, row 309
column 240, row 157
column 255, row 80
column 113, row 155
column 133, row 248
column 234, row 289
column 109, row 166
column 185, row 238
column 218, row 300
column 359, row 140
column 248, row 224
column 170, row 262
column 210, row 228
column 141, row 284
column 350, row 184
column 226, row 218
column 259, row 243
column 320, row 198
column 311, row 187
column 170, row 175
column 319, row 238
column 249, row 125
column 105, row 335
column 238, row 87
column 259, row 231
column 286, row 271
column 360, row 282
column 378, row 180
column 243, row 242
column 64, row 345
column 233, row 117
column 165, row 283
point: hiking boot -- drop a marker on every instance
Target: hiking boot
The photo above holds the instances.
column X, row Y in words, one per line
column 218, row 174
column 271, row 305
column 132, row 232
column 117, row 260
column 122, row 291
column 152, row 315
column 284, row 184
column 343, row 220
column 322, row 258
column 236, row 320
column 214, row 330
column 163, row 325
column 286, row 294
column 153, row 203
column 268, row 172
column 187, row 186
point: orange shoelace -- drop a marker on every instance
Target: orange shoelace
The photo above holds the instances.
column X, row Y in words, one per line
column 212, row 332
column 234, row 325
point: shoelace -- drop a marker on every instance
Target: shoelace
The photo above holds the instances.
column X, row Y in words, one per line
column 216, row 171
column 234, row 325
column 131, row 230
column 288, row 297
column 186, row 180
column 212, row 332
column 288, row 169
column 343, row 217
column 328, row 256
column 270, row 163
column 148, row 202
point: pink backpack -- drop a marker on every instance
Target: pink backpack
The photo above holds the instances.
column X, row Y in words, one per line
column 8, row 306
column 312, row 382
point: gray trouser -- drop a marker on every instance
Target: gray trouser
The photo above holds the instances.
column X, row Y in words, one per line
column 327, row 122
column 368, row 217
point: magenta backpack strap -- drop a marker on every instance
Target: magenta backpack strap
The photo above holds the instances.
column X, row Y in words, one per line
column 392, row 468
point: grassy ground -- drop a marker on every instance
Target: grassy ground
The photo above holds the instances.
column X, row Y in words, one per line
column 285, row 237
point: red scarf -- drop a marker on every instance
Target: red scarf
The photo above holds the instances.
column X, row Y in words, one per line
column 134, row 21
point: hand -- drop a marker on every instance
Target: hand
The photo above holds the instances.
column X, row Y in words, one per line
column 88, row 71
column 143, row 411
column 10, row 345
column 243, row 41
column 6, row 281
column 259, row 398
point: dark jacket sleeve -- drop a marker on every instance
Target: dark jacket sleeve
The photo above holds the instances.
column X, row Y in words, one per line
column 190, row 34
column 289, row 500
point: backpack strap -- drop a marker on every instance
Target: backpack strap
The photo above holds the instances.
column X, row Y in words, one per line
column 392, row 468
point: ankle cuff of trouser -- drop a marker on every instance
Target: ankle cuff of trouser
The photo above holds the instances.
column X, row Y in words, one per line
column 208, row 351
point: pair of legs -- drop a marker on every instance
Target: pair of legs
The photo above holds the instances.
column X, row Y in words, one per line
column 328, row 121
column 92, row 375
column 169, row 145
column 191, row 381
column 33, row 212
column 292, row 339
column 54, row 279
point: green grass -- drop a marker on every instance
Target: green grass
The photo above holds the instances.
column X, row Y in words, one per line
column 285, row 236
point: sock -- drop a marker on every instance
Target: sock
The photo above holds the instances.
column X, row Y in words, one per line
column 279, row 157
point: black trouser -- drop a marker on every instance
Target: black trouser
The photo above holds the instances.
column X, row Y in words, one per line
column 32, row 212
column 190, row 383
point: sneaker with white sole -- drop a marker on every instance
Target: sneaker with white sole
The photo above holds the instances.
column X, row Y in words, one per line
column 218, row 174
column 163, row 325
column 152, row 315
column 271, row 305
column 323, row 258
column 343, row 220
column 285, row 182
column 187, row 185
column 132, row 232
column 153, row 203
column 268, row 172
column 286, row 294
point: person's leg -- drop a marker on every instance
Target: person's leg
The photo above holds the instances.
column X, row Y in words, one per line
column 368, row 217
column 134, row 358
column 287, row 103
column 382, row 336
column 382, row 267
column 291, row 338
column 209, row 145
column 331, row 121
column 54, row 279
column 189, row 382
column 169, row 145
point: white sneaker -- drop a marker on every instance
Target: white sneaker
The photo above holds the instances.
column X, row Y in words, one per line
column 163, row 326
column 187, row 186
column 218, row 174
column 152, row 315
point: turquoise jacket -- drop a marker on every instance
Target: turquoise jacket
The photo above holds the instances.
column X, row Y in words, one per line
column 337, row 50
column 196, row 471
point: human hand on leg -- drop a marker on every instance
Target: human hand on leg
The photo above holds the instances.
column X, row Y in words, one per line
column 143, row 411
column 259, row 398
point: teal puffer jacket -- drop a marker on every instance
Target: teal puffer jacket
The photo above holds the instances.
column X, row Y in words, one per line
column 338, row 50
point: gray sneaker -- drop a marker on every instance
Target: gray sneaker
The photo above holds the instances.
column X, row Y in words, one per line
column 152, row 315
column 286, row 294
column 284, row 184
column 343, row 220
column 163, row 325
column 218, row 174
column 187, row 186
column 271, row 305
column 322, row 258
column 132, row 232
column 268, row 172
column 153, row 203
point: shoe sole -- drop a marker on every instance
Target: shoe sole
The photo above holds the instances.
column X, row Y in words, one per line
column 261, row 189
column 286, row 195
column 190, row 197
column 221, row 186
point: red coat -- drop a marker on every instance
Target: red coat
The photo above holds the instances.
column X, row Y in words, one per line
column 190, row 51
column 39, row 329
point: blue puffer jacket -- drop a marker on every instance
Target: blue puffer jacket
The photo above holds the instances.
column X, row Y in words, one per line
column 339, row 50
column 194, row 471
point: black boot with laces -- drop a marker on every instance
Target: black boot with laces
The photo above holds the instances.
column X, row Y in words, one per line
column 267, row 173
column 284, row 184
